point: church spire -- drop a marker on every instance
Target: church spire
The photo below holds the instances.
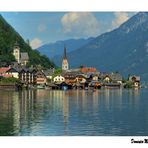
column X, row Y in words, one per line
column 64, row 57
column 65, row 65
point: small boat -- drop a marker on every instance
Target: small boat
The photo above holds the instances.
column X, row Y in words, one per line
column 40, row 86
column 112, row 85
column 64, row 88
column 86, row 88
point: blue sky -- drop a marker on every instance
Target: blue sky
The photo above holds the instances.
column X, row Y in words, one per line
column 46, row 27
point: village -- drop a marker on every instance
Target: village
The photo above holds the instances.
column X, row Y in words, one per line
column 64, row 78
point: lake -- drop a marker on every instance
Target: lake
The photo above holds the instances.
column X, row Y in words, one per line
column 105, row 112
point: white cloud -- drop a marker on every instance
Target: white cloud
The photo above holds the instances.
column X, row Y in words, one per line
column 35, row 43
column 120, row 17
column 80, row 24
column 42, row 28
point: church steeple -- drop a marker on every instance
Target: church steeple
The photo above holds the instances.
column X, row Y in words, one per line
column 64, row 57
column 65, row 65
column 16, row 51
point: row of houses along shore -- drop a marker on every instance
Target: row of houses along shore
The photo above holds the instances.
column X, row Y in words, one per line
column 79, row 78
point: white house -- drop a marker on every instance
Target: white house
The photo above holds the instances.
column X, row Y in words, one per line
column 13, row 72
column 135, row 80
column 59, row 79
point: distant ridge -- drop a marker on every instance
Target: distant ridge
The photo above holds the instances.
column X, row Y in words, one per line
column 124, row 49
column 54, row 49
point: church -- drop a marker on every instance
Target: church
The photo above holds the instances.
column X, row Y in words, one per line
column 21, row 57
column 65, row 65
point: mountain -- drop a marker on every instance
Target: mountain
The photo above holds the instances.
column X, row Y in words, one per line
column 54, row 49
column 8, row 36
column 124, row 49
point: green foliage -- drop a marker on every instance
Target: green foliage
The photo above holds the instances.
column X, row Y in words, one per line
column 39, row 60
column 8, row 36
column 81, row 66
column 128, row 84
column 10, row 80
column 57, row 72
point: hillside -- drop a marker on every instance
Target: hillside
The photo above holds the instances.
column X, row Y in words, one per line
column 56, row 49
column 124, row 49
column 8, row 36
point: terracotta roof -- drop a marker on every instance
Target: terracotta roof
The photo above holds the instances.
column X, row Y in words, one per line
column 4, row 69
column 88, row 69
column 6, row 75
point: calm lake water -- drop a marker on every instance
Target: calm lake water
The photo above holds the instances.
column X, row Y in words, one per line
column 110, row 112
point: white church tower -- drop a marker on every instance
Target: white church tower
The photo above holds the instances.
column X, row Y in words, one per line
column 16, row 52
column 65, row 65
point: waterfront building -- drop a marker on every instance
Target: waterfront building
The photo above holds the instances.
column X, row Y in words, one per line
column 111, row 78
column 3, row 72
column 9, row 72
column 106, row 79
column 40, row 78
column 135, row 79
column 81, row 78
column 21, row 57
column 49, row 73
column 70, row 77
column 95, row 77
column 32, row 76
column 14, row 72
column 65, row 65
column 116, row 78
column 58, row 79
column 27, row 75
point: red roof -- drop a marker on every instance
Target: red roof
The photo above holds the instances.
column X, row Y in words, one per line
column 88, row 69
column 6, row 75
column 4, row 69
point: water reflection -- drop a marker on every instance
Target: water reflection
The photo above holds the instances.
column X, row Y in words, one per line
column 75, row 112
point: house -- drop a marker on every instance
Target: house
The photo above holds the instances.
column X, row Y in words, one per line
column 40, row 78
column 3, row 72
column 14, row 72
column 58, row 79
column 49, row 73
column 107, row 79
column 80, row 78
column 32, row 76
column 95, row 77
column 111, row 78
column 70, row 77
column 27, row 75
column 135, row 80
column 116, row 78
